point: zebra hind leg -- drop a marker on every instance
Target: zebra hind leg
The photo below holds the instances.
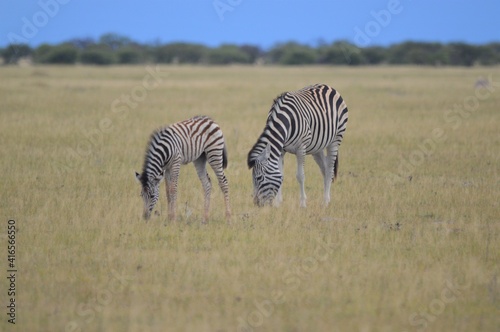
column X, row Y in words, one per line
column 331, row 170
column 322, row 162
column 216, row 163
column 201, row 169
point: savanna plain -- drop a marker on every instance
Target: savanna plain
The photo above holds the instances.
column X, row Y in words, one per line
column 409, row 242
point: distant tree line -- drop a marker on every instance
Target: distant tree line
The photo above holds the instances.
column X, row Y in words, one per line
column 115, row 49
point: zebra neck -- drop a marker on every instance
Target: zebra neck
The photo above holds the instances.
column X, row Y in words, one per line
column 276, row 130
column 159, row 154
column 275, row 134
column 272, row 138
column 153, row 169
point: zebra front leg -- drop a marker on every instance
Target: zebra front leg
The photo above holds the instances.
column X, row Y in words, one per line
column 168, row 189
column 279, row 198
column 201, row 170
column 301, row 176
column 173, row 177
column 279, row 195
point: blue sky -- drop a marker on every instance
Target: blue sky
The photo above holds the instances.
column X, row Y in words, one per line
column 259, row 22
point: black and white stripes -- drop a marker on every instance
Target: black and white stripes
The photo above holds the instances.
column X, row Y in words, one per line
column 199, row 140
column 307, row 121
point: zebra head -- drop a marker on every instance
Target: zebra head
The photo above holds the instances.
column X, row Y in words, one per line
column 150, row 191
column 266, row 176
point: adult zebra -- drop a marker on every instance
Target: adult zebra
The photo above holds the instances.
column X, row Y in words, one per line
column 197, row 140
column 302, row 122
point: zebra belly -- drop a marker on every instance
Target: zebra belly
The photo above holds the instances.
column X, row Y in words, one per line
column 311, row 145
column 312, row 149
column 190, row 157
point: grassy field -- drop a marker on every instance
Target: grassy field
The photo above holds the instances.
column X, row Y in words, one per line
column 409, row 242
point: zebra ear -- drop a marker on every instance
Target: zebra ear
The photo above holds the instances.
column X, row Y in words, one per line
column 138, row 177
column 264, row 155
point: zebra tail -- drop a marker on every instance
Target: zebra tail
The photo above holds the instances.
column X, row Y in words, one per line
column 335, row 167
column 224, row 157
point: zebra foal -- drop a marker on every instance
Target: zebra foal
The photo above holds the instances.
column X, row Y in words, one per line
column 198, row 140
column 303, row 122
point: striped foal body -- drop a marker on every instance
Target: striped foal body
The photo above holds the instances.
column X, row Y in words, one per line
column 308, row 121
column 198, row 140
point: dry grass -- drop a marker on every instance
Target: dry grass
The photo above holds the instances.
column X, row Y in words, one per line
column 402, row 247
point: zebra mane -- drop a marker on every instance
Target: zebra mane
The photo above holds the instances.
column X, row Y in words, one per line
column 281, row 95
column 277, row 99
